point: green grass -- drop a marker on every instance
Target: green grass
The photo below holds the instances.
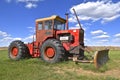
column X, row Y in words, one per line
column 36, row 69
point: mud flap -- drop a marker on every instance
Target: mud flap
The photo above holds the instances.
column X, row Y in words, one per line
column 101, row 57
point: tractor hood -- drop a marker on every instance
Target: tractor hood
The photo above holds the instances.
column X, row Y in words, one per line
column 76, row 34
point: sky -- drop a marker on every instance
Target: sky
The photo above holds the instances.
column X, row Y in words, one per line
column 99, row 18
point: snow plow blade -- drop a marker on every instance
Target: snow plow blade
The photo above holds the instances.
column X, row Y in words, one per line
column 101, row 57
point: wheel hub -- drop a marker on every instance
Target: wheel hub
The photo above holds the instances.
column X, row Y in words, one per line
column 50, row 52
column 14, row 51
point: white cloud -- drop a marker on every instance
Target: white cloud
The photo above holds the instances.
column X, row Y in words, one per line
column 100, row 42
column 101, row 37
column 29, row 39
column 75, row 27
column 98, row 32
column 28, row 3
column 31, row 30
column 17, row 38
column 72, row 19
column 99, row 10
column 104, row 40
column 117, row 35
column 3, row 34
column 86, row 41
column 78, row 27
column 6, row 39
column 111, row 18
column 116, row 40
column 88, row 24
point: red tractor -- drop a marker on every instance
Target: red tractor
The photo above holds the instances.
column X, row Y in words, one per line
column 55, row 42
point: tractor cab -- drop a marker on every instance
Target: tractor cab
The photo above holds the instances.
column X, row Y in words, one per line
column 47, row 27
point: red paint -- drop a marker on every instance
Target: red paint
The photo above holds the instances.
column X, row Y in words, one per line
column 49, row 52
column 14, row 51
column 34, row 49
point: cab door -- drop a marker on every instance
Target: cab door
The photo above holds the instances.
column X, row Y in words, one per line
column 44, row 30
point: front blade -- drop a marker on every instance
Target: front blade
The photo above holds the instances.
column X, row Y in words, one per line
column 101, row 57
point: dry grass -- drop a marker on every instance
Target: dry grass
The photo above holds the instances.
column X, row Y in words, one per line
column 104, row 47
column 3, row 48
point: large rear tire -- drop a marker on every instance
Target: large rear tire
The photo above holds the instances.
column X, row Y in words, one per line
column 17, row 50
column 52, row 51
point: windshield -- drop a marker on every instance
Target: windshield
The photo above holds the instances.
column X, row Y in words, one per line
column 59, row 25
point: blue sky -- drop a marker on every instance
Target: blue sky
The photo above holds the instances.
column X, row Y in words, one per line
column 99, row 18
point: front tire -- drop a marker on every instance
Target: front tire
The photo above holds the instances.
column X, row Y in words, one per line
column 17, row 50
column 52, row 51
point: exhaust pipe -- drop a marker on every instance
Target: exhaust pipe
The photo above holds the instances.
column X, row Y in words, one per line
column 67, row 20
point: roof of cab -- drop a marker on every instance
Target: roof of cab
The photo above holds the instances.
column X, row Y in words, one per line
column 51, row 18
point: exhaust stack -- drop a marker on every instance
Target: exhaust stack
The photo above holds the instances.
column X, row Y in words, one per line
column 67, row 20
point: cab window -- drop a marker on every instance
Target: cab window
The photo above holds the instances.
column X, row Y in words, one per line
column 40, row 26
column 58, row 25
column 48, row 25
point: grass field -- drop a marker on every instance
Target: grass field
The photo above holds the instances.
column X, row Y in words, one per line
column 36, row 69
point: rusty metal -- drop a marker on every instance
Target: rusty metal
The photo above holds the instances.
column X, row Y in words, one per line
column 101, row 57
column 75, row 59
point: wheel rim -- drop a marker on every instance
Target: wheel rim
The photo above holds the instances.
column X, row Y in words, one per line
column 14, row 51
column 49, row 52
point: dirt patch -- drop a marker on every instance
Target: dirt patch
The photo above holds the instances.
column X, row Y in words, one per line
column 112, row 73
column 115, row 73
column 58, row 70
column 80, row 71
